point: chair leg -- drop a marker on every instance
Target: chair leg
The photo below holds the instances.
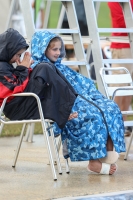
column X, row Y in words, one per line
column 48, row 126
column 131, row 138
column 46, row 137
column 29, row 133
column 56, row 152
column 19, row 145
column 59, row 143
column 66, row 160
column 32, row 128
column 1, row 128
column 67, row 166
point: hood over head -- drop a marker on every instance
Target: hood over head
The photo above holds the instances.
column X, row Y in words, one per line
column 39, row 44
column 11, row 41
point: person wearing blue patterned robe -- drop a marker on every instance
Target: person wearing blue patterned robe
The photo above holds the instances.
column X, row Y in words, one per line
column 98, row 128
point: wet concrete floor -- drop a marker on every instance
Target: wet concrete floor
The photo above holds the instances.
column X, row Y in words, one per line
column 32, row 177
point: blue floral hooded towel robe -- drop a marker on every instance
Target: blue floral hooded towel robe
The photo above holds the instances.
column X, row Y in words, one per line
column 85, row 136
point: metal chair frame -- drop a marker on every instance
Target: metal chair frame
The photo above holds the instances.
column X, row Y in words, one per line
column 45, row 124
column 111, row 92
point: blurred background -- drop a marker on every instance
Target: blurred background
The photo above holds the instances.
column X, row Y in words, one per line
column 103, row 17
column 39, row 9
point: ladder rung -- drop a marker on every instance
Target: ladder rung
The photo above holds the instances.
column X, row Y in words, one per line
column 111, row 1
column 74, row 62
column 127, row 112
column 117, row 61
column 124, row 39
column 85, row 39
column 70, row 31
column 128, row 123
column 115, row 30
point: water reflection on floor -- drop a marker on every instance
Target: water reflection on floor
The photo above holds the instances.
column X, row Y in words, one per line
column 125, row 195
column 114, row 197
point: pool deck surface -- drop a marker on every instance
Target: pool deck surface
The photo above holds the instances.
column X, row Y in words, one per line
column 32, row 179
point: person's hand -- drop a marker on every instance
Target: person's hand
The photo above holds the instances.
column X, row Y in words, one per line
column 73, row 115
column 26, row 60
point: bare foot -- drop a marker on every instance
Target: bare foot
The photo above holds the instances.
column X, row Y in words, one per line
column 73, row 115
column 96, row 165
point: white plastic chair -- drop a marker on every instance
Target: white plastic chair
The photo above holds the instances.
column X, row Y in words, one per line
column 47, row 134
column 111, row 92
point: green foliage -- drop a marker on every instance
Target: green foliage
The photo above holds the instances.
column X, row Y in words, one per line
column 104, row 20
column 37, row 7
column 103, row 17
column 15, row 130
column 54, row 14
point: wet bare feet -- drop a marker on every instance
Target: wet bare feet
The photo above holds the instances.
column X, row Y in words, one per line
column 73, row 115
column 96, row 165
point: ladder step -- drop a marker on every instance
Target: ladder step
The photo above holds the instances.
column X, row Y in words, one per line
column 111, row 1
column 68, row 39
column 121, row 39
column 70, row 31
column 85, row 39
column 117, row 61
column 74, row 63
column 128, row 123
column 115, row 30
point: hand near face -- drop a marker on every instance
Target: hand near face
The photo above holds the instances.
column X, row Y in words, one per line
column 26, row 60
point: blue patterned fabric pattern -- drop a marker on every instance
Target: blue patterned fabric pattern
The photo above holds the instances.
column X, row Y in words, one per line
column 85, row 136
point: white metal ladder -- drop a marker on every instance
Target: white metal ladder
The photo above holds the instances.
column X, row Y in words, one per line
column 74, row 30
column 69, row 7
column 94, row 32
